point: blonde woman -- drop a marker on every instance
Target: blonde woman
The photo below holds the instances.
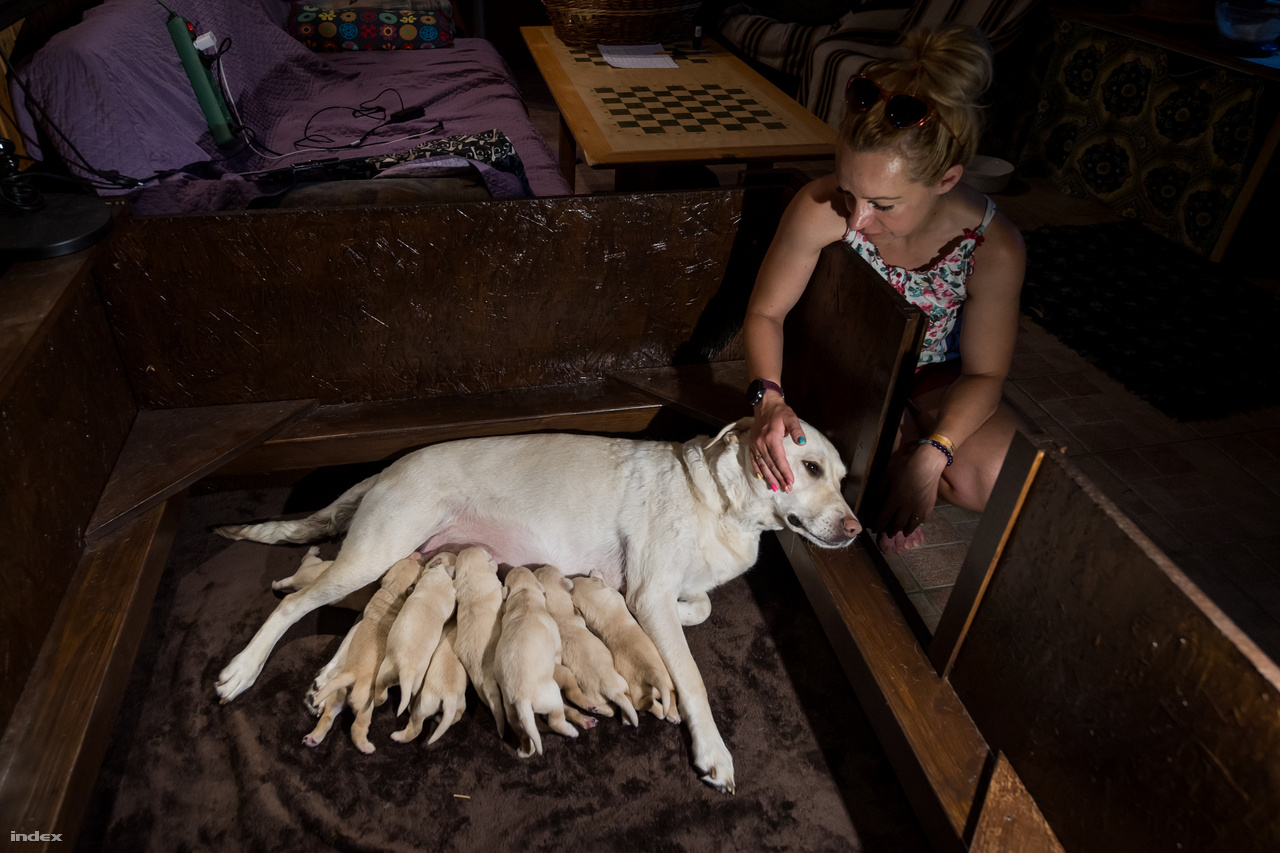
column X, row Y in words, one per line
column 897, row 199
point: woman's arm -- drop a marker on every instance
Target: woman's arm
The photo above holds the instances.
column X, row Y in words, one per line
column 813, row 220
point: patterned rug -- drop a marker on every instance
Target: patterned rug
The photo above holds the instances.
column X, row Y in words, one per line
column 1183, row 334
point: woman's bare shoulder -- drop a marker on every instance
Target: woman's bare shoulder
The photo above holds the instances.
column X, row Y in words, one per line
column 816, row 215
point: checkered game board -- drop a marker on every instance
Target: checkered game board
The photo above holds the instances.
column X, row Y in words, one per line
column 685, row 109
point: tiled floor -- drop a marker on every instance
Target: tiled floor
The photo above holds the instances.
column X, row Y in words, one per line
column 1206, row 492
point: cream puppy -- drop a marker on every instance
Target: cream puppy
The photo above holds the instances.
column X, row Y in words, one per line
column 444, row 689
column 583, row 653
column 635, row 656
column 359, row 668
column 416, row 631
column 313, row 567
column 528, row 654
column 480, row 594
column 333, row 705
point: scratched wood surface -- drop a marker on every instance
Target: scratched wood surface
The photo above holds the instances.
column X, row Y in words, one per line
column 64, row 414
column 409, row 302
column 1138, row 716
column 850, row 348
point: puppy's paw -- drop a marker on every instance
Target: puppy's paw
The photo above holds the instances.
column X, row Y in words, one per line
column 366, row 747
column 716, row 766
column 237, row 677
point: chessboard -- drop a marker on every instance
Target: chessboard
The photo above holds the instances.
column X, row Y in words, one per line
column 707, row 108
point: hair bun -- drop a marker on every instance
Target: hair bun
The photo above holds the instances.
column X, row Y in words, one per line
column 951, row 64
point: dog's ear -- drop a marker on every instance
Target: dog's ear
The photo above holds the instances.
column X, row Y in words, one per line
column 731, row 433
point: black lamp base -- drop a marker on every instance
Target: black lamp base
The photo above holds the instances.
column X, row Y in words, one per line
column 66, row 224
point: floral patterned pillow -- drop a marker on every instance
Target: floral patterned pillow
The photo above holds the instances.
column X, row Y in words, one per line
column 331, row 27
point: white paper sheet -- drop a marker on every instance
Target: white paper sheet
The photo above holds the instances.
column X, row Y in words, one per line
column 636, row 56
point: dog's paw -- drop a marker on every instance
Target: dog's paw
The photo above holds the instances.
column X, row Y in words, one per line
column 237, row 677
column 716, row 766
column 312, row 740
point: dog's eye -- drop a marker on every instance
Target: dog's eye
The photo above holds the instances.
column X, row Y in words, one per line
column 813, row 468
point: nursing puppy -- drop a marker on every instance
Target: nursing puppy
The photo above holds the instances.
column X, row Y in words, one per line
column 444, row 689
column 480, row 594
column 416, row 631
column 359, row 667
column 666, row 521
column 635, row 657
column 310, row 569
column 333, row 705
column 528, row 654
column 583, row 653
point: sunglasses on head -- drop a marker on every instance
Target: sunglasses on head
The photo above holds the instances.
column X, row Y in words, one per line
column 901, row 109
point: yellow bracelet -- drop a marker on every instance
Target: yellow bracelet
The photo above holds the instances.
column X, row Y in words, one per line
column 944, row 441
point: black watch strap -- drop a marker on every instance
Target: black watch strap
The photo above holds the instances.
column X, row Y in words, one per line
column 755, row 391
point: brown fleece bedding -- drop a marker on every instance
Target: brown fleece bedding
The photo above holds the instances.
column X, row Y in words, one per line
column 185, row 773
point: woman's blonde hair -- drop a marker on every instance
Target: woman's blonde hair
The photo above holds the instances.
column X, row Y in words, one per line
column 949, row 68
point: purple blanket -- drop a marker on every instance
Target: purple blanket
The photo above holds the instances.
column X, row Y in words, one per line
column 114, row 86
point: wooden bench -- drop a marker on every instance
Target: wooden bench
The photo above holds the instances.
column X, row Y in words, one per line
column 284, row 341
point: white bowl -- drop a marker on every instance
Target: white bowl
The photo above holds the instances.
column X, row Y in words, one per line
column 988, row 174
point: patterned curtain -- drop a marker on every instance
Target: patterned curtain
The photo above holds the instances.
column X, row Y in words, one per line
column 1155, row 135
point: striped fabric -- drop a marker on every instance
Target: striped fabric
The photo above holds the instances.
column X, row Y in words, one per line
column 786, row 47
column 825, row 57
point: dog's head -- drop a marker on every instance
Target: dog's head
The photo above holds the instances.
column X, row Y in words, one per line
column 815, row 507
column 519, row 579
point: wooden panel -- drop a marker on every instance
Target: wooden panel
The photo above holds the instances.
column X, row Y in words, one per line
column 715, row 393
column 574, row 85
column 169, row 449
column 851, row 345
column 1016, row 475
column 936, row 750
column 32, row 297
column 64, row 418
column 1009, row 821
column 368, row 432
column 53, row 747
column 1138, row 716
column 384, row 303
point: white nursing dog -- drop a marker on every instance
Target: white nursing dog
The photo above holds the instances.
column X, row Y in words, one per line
column 663, row 521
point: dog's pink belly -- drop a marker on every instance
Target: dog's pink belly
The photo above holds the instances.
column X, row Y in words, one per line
column 511, row 545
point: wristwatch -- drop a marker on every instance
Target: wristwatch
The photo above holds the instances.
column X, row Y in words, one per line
column 755, row 391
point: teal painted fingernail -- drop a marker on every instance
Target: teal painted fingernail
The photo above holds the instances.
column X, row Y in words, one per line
column 800, row 440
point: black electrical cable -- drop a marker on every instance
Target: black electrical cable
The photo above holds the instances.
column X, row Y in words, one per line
column 366, row 109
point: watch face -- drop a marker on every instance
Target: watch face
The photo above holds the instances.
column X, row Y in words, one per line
column 755, row 391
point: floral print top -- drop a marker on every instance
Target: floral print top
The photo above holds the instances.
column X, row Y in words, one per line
column 938, row 291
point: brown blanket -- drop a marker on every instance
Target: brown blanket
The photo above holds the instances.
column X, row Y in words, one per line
column 185, row 773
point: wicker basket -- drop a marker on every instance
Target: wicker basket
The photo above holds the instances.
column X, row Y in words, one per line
column 586, row 23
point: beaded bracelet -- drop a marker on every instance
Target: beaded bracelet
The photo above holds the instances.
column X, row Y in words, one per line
column 938, row 444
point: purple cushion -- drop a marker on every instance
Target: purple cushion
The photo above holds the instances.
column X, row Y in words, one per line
column 369, row 28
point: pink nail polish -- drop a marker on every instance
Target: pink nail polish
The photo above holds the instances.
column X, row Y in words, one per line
column 773, row 487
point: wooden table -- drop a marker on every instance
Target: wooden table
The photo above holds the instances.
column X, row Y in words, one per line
column 712, row 108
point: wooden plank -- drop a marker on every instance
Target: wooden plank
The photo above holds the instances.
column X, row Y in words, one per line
column 53, row 747
column 937, row 752
column 850, row 351
column 715, row 392
column 368, row 432
column 32, row 298
column 387, row 303
column 169, row 449
column 1009, row 821
column 1016, row 475
column 1136, row 713
column 64, row 418
column 777, row 128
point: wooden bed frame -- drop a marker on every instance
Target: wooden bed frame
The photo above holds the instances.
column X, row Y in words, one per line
column 1079, row 693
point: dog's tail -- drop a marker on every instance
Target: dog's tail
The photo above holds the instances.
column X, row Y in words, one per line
column 329, row 521
column 410, row 684
column 346, row 679
column 454, row 705
column 524, row 713
column 491, row 695
column 619, row 697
